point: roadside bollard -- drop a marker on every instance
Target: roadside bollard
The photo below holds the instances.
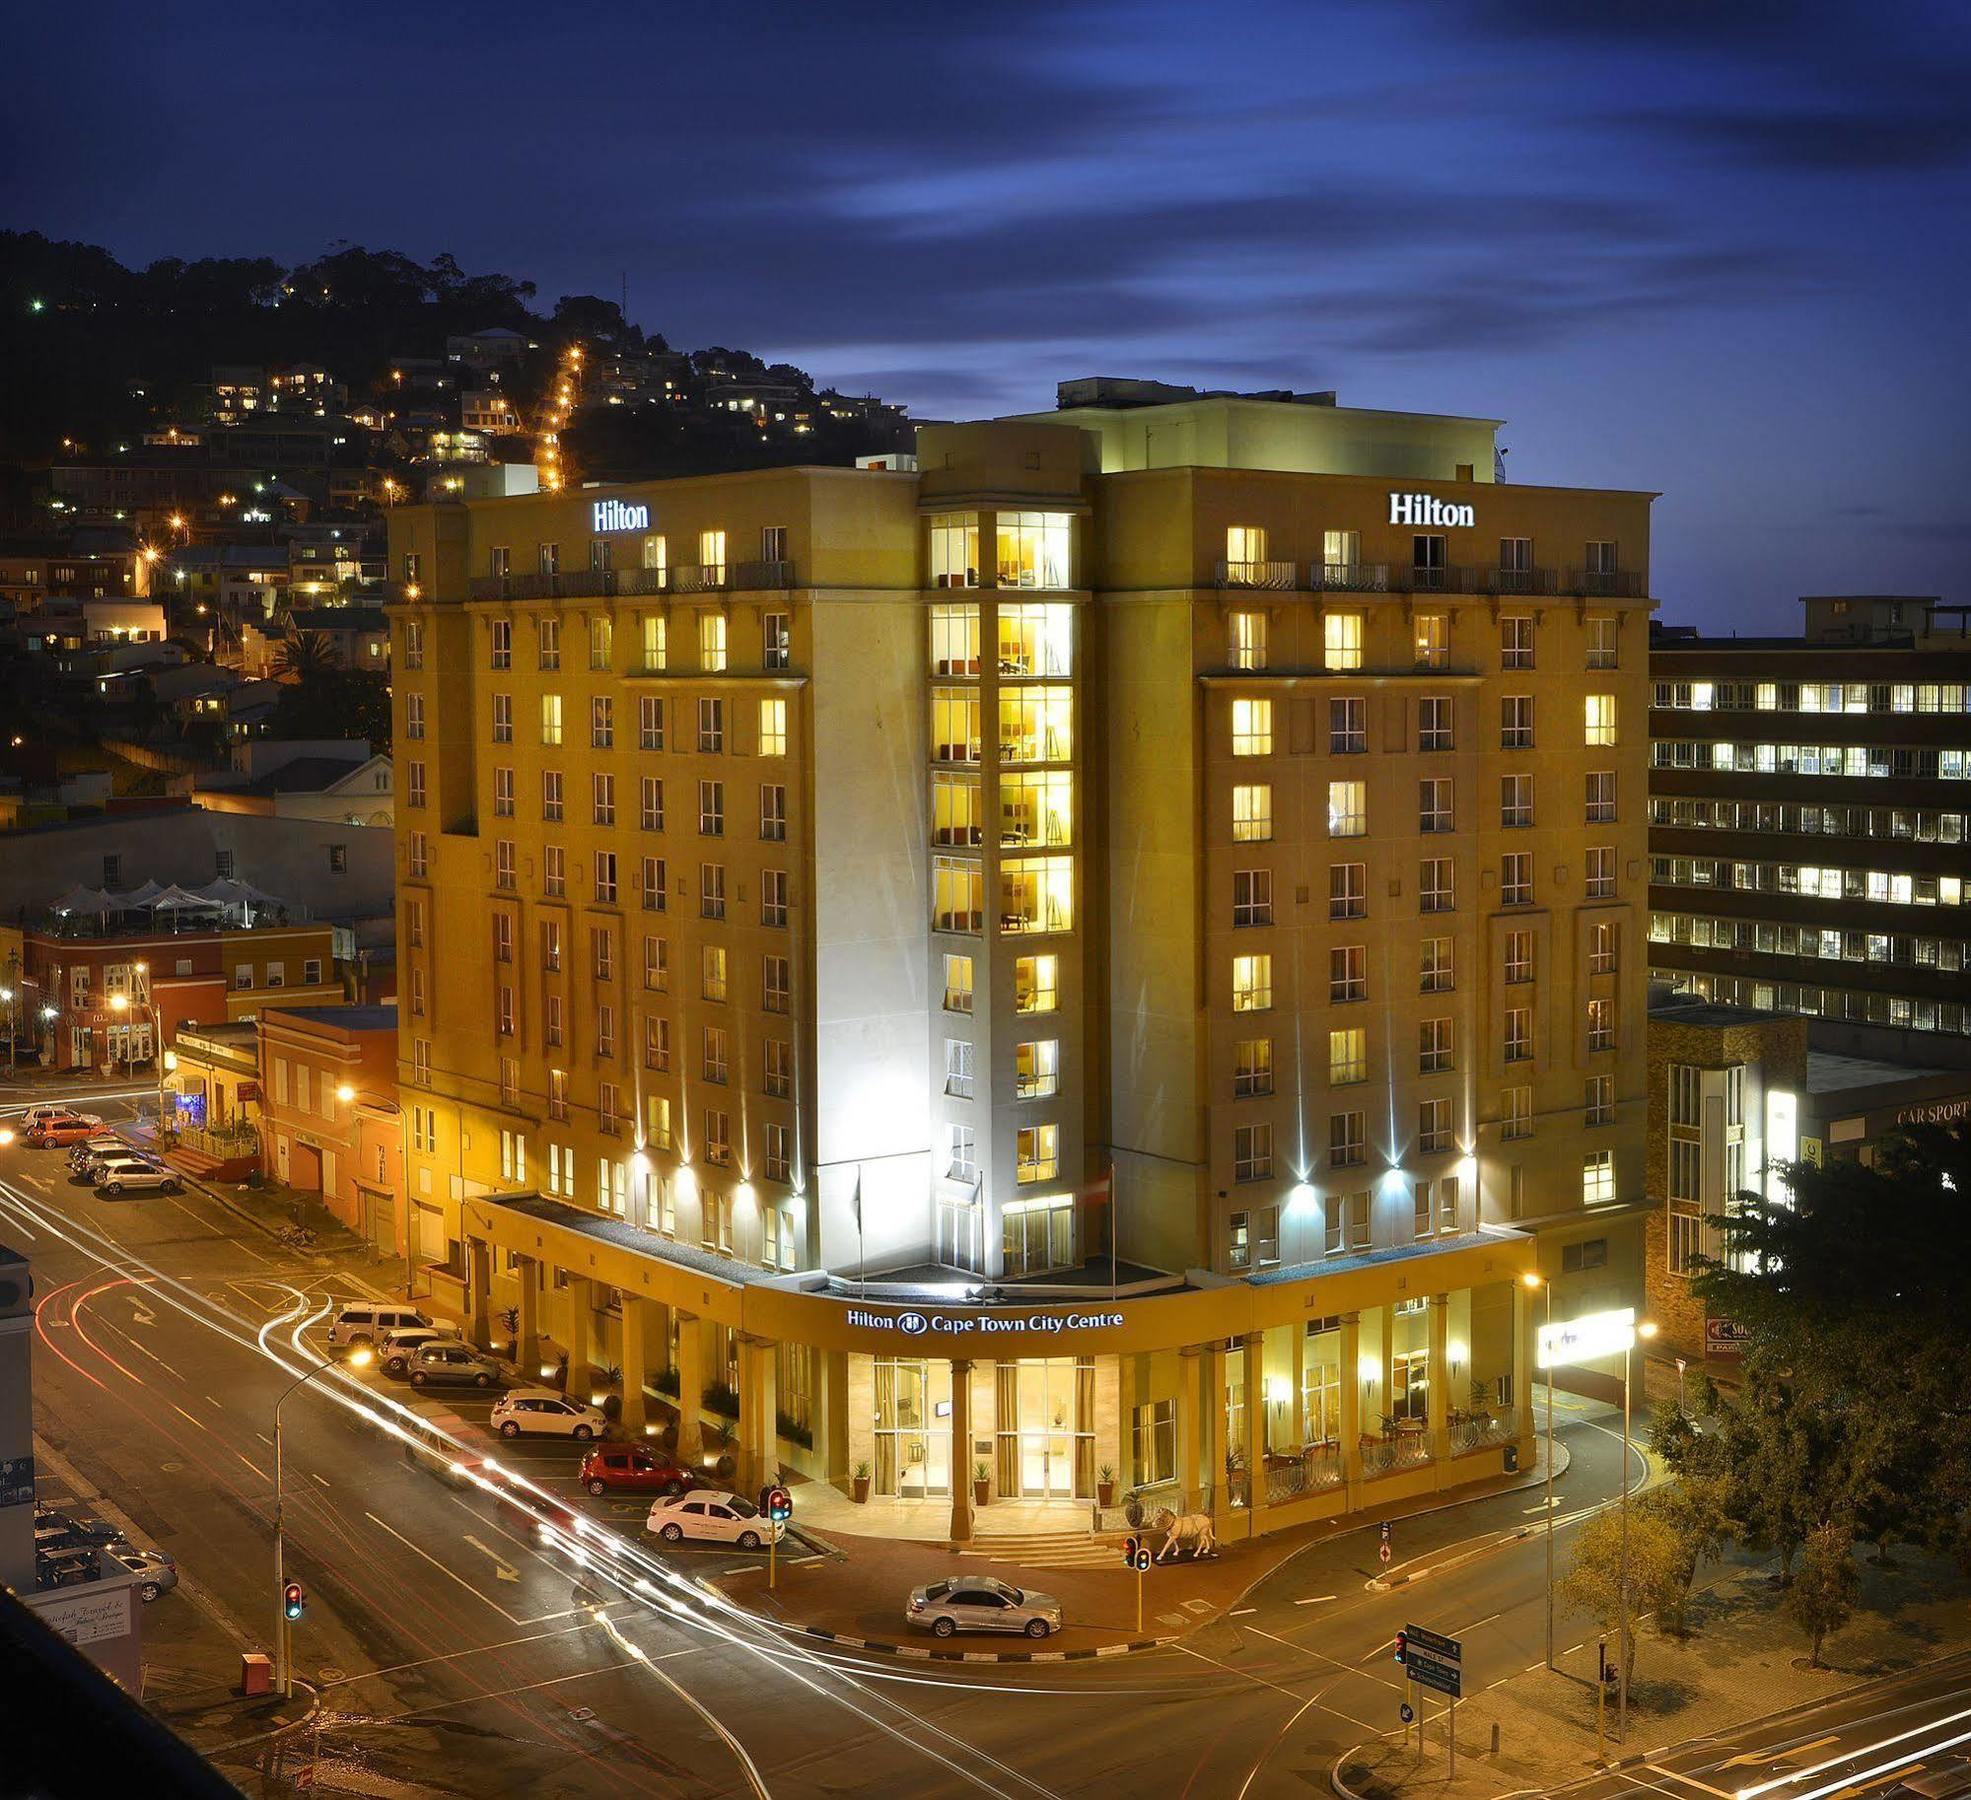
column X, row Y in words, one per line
column 1495, row 1737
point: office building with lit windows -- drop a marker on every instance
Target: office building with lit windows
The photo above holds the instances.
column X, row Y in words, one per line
column 1808, row 799
column 837, row 906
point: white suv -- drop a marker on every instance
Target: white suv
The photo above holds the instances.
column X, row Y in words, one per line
column 363, row 1322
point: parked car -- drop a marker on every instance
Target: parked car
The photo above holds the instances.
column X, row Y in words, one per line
column 159, row 1574
column 451, row 1364
column 60, row 1527
column 713, row 1517
column 83, row 1157
column 981, row 1603
column 119, row 1175
column 393, row 1351
column 39, row 1115
column 63, row 1128
column 631, row 1469
column 364, row 1322
column 536, row 1409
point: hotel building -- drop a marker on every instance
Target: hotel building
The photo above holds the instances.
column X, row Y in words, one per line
column 1807, row 808
column 837, row 906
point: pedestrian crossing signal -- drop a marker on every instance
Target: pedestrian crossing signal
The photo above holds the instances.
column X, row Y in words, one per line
column 1402, row 1645
column 293, row 1601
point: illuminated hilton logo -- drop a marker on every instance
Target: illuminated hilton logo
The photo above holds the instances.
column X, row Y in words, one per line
column 1427, row 509
column 613, row 515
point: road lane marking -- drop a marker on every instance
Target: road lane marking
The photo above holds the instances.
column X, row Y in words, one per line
column 1315, row 1600
column 419, row 1550
column 503, row 1569
column 251, row 1464
column 1703, row 1787
column 532, row 1637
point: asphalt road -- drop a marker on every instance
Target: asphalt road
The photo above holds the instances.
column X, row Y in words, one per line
column 457, row 1649
column 1864, row 1741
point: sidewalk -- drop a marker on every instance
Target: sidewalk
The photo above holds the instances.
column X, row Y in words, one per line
column 1743, row 1660
column 857, row 1594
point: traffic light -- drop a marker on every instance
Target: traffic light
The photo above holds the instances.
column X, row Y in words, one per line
column 1136, row 1554
column 293, row 1601
column 777, row 1503
column 1402, row 1644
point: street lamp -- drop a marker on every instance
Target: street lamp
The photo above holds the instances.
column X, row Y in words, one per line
column 1646, row 1328
column 120, row 1003
column 360, row 1358
column 1533, row 1279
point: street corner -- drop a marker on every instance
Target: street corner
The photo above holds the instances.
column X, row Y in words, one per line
column 858, row 1595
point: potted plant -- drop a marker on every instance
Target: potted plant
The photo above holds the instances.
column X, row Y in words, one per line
column 559, row 1378
column 1105, row 1485
column 510, row 1318
column 859, row 1484
column 724, row 1462
column 981, row 1483
column 612, row 1404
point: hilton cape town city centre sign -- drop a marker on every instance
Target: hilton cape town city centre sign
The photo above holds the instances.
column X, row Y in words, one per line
column 981, row 1324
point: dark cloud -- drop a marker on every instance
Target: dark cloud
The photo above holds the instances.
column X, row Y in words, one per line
column 1647, row 22
column 1911, row 133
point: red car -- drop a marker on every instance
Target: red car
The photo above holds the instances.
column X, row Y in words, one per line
column 63, row 1128
column 627, row 1469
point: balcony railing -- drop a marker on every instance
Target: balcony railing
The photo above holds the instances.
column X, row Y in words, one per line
column 764, row 574
column 1349, row 578
column 1256, row 574
column 1021, row 921
column 1315, row 1470
column 699, row 578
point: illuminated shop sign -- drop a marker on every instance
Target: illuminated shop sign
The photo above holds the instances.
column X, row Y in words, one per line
column 1427, row 509
column 613, row 515
column 1586, row 1338
column 982, row 1324
column 1941, row 1113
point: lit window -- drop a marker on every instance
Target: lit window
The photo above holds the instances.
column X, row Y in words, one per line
column 1252, row 728
column 1343, row 640
column 550, row 718
column 1035, row 983
column 1348, row 809
column 773, row 727
column 958, row 984
column 1598, row 1178
column 1248, row 649
column 1252, row 983
column 1036, row 1069
column 1252, row 1067
column 1037, row 1153
column 1348, row 1056
column 1252, row 813
column 711, row 642
column 1599, row 714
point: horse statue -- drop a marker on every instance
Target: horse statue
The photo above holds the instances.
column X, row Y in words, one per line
column 1191, row 1532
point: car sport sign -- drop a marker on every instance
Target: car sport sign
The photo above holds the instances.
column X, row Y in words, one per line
column 983, row 1323
column 1725, row 1337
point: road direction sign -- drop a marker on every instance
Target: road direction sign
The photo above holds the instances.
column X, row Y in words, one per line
column 1433, row 1660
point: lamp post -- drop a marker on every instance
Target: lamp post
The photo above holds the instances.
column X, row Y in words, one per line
column 283, row 1678
column 1644, row 1329
column 1533, row 1280
column 120, row 1004
column 11, row 1000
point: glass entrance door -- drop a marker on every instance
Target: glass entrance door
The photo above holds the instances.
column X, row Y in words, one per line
column 913, row 1428
column 1046, row 1434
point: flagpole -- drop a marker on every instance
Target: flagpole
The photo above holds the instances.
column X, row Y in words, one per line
column 1114, row 1227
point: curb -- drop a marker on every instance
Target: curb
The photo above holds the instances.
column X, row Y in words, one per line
column 918, row 1653
column 922, row 1653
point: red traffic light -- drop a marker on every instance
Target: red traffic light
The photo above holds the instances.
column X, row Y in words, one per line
column 777, row 1503
column 1402, row 1644
column 293, row 1601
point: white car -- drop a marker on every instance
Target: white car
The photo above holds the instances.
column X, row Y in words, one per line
column 715, row 1518
column 542, row 1410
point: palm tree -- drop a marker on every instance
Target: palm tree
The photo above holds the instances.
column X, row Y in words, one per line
column 306, row 654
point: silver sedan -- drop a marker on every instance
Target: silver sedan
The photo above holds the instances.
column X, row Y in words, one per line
column 981, row 1603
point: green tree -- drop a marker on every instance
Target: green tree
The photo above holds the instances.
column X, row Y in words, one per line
column 306, row 655
column 1698, row 1511
column 1822, row 1597
column 1593, row 1581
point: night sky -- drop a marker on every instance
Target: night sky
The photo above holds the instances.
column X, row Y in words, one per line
column 1715, row 249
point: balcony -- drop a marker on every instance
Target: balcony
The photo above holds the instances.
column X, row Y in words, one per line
column 1256, row 574
column 754, row 576
column 700, row 578
column 1349, row 578
column 581, row 584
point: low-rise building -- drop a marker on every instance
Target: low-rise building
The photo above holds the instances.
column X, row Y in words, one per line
column 327, row 1120
column 354, row 637
column 1736, row 1095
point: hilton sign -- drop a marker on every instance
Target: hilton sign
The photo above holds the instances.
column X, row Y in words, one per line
column 614, row 515
column 981, row 1324
column 1427, row 509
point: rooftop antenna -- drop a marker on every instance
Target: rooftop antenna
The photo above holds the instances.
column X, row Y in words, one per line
column 1499, row 455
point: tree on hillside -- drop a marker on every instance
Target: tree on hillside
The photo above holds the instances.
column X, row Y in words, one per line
column 306, row 655
column 337, row 703
column 1822, row 1597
